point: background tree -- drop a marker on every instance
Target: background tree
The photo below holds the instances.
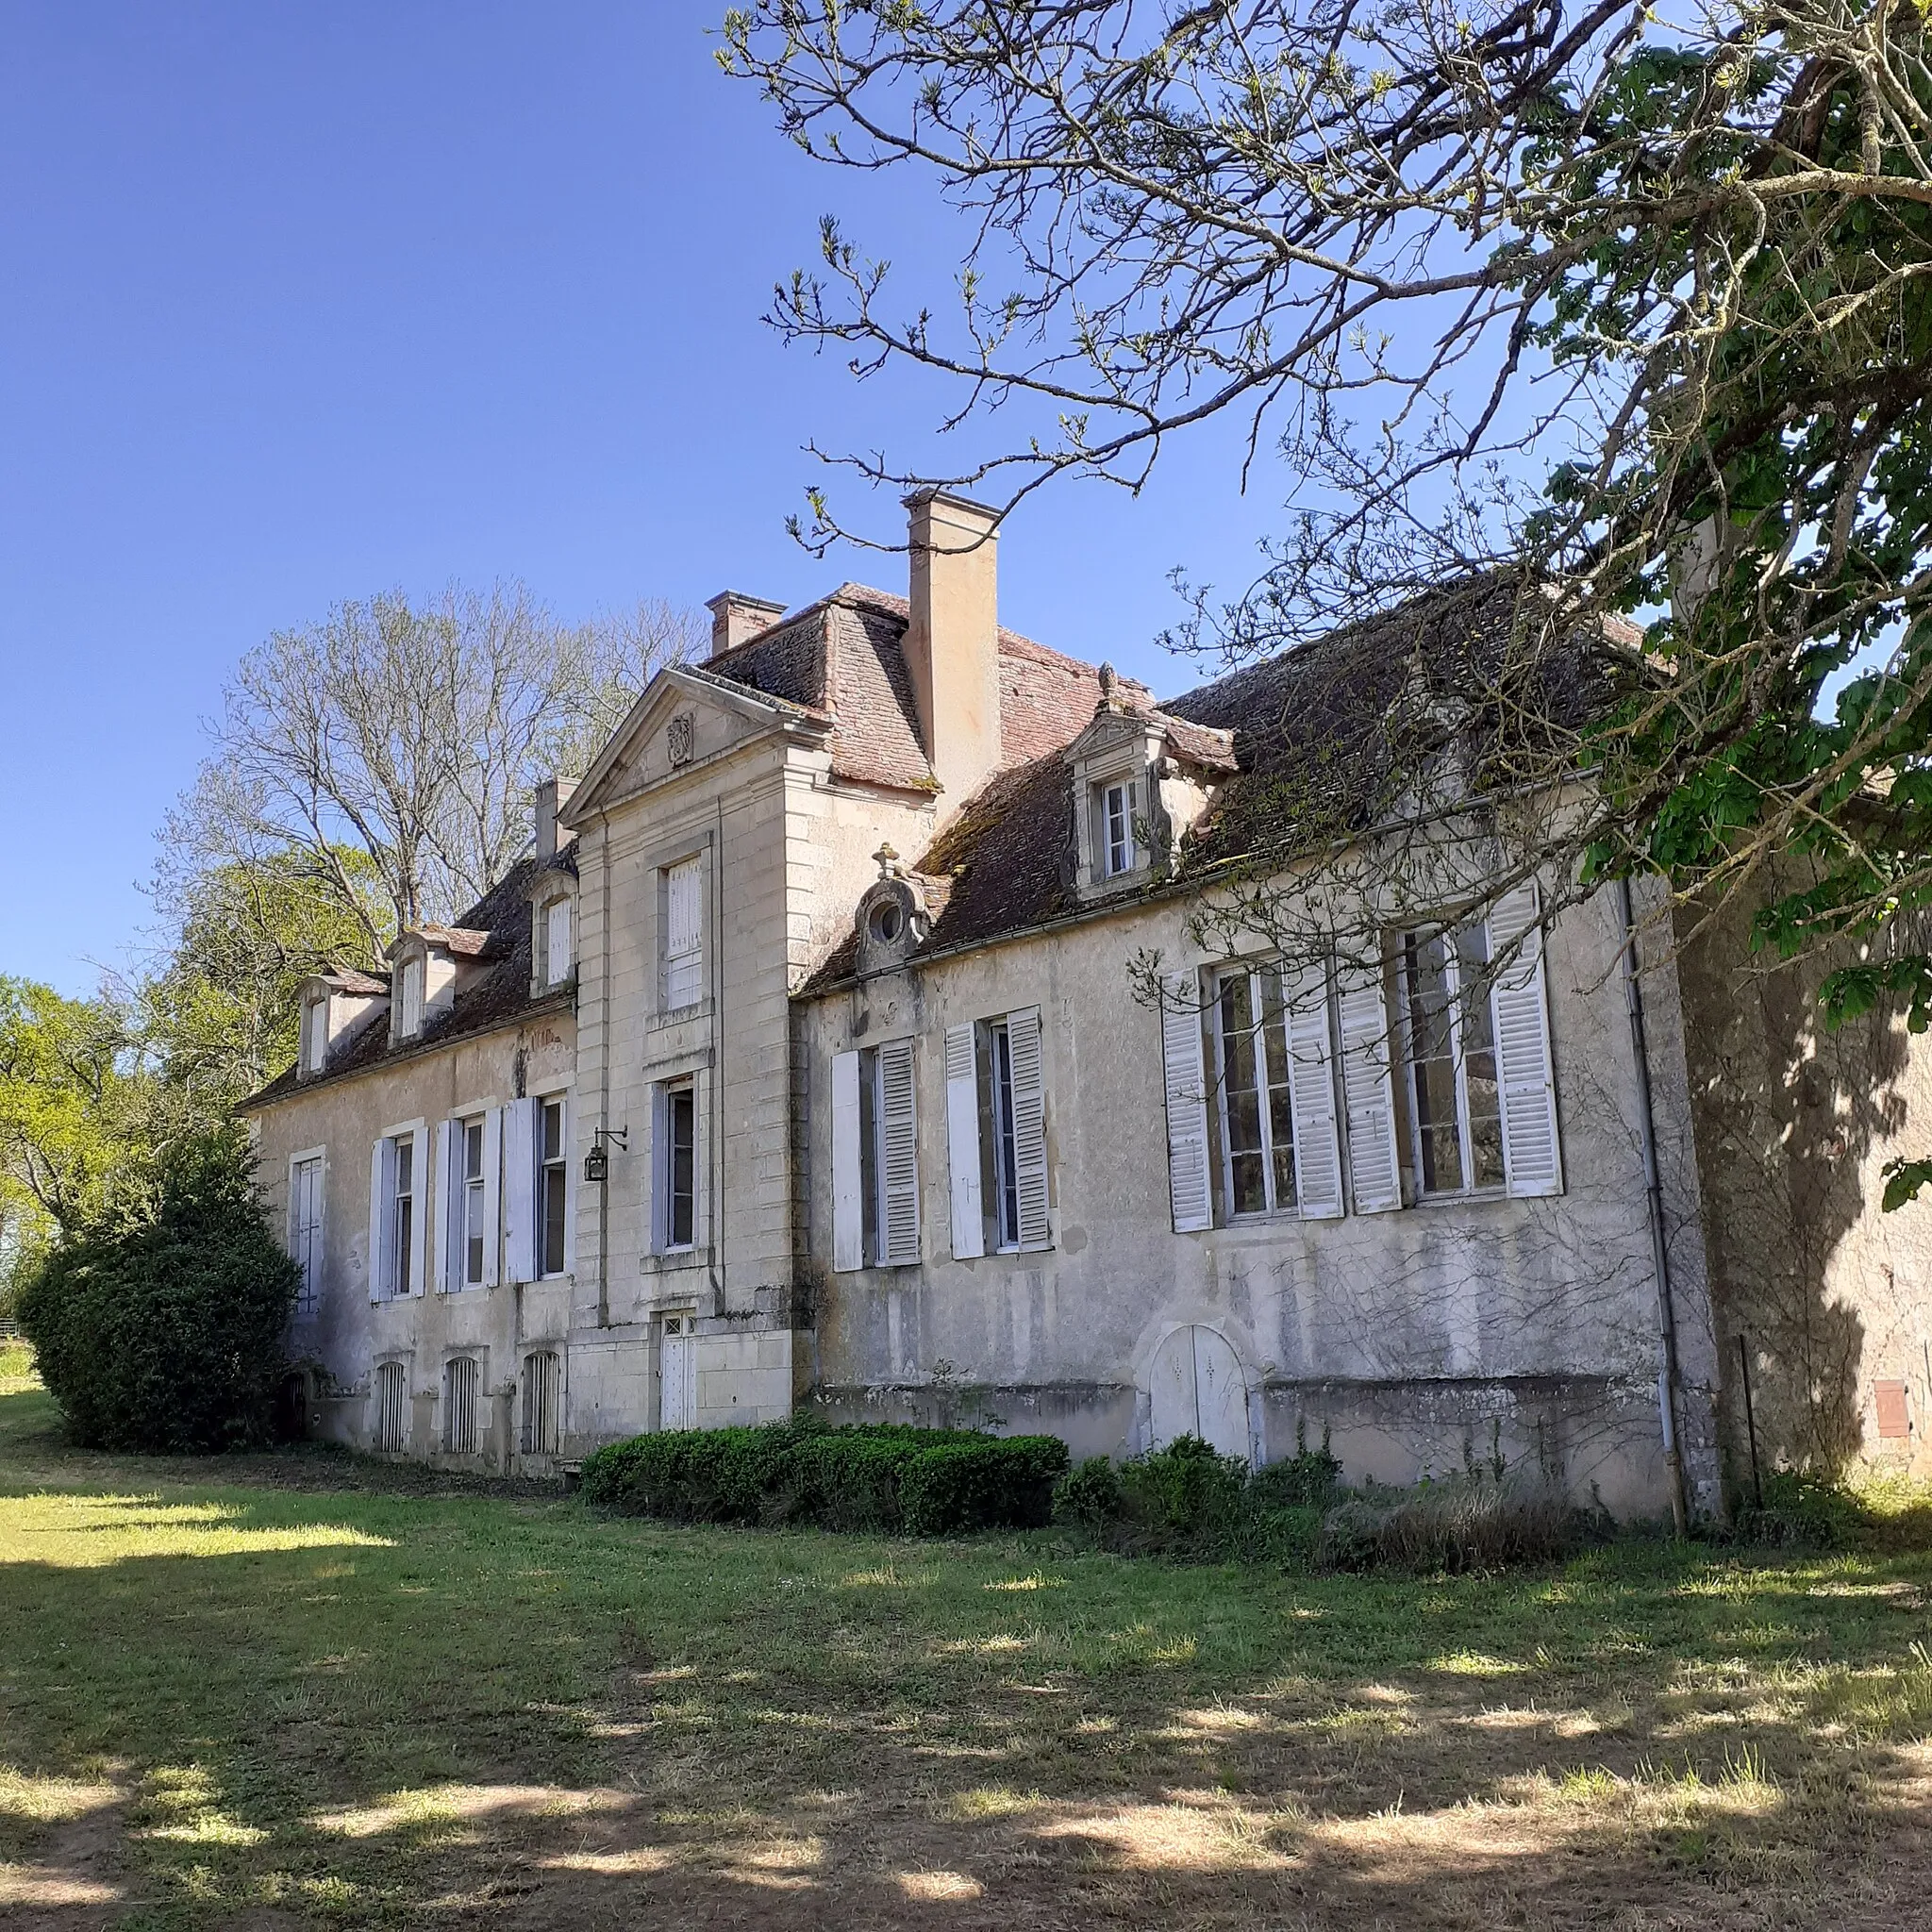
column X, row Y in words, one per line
column 1621, row 308
column 386, row 756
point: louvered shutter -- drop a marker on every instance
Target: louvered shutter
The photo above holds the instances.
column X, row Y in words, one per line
column 848, row 1203
column 445, row 1243
column 1029, row 1127
column 1312, row 1095
column 684, row 942
column 1187, row 1191
column 421, row 1180
column 1369, row 1090
column 493, row 1196
column 519, row 1190
column 381, row 1191
column 1520, row 1013
column 898, row 1154
column 557, row 939
column 963, row 1143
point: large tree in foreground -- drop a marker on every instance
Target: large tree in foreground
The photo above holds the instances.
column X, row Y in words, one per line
column 1627, row 309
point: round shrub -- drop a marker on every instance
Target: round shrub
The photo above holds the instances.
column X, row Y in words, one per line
column 1089, row 1496
column 159, row 1329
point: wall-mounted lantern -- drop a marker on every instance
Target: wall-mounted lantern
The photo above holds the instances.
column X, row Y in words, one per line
column 598, row 1161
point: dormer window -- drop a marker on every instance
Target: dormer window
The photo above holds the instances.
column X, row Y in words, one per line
column 1118, row 852
column 410, row 1021
column 555, row 953
column 314, row 1051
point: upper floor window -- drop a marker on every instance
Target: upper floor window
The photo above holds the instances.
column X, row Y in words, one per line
column 552, row 1187
column 557, row 951
column 874, row 1158
column 1254, row 1092
column 472, row 1222
column 402, row 1209
column 305, row 1229
column 1455, row 1103
column 410, row 1008
column 1115, row 807
column 674, row 1178
column 684, row 934
column 996, row 1134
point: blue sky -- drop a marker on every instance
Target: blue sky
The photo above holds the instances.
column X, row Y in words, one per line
column 299, row 303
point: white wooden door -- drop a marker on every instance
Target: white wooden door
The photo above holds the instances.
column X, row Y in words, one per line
column 679, row 1375
column 1198, row 1390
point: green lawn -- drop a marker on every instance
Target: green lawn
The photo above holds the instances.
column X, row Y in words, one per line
column 285, row 1690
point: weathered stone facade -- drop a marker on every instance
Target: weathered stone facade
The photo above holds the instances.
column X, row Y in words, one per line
column 810, row 881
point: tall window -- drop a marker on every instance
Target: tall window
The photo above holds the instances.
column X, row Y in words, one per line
column 1116, row 851
column 542, row 1402
column 304, row 1228
column 553, row 1187
column 1006, row 1154
column 410, row 1022
column 888, row 1153
column 675, row 1208
column 462, row 1412
column 557, row 953
column 1455, row 1107
column 402, row 1217
column 684, row 934
column 473, row 1222
column 1255, row 1097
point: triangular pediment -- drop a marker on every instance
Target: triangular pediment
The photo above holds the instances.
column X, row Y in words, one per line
column 683, row 718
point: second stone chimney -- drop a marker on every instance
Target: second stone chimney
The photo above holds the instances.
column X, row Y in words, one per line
column 736, row 617
column 553, row 794
column 952, row 642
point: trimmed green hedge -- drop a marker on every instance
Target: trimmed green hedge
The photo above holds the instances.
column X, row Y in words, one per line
column 875, row 1476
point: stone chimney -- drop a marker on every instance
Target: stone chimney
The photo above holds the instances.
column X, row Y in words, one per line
column 952, row 642
column 553, row 794
column 736, row 617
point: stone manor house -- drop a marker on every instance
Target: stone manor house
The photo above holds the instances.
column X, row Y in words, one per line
column 799, row 1063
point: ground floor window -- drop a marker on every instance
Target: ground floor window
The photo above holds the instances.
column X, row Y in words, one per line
column 674, row 1178
column 305, row 1224
column 542, row 1402
column 553, row 1183
column 1455, row 1105
column 391, row 1407
column 1257, row 1103
column 461, row 1417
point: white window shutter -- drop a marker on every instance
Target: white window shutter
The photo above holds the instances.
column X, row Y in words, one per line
column 557, row 939
column 519, row 1190
column 493, row 1196
column 1368, row 1088
column 420, row 1178
column 848, row 1203
column 684, row 937
column 898, row 1154
column 568, row 1132
column 963, row 1143
column 1311, row 1097
column 1520, row 1013
column 658, row 1174
column 447, row 1242
column 381, row 1170
column 1029, row 1128
column 1188, row 1195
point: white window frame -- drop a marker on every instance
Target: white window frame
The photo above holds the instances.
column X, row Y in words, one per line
column 548, row 914
column 662, row 1155
column 411, row 1134
column 681, row 946
column 481, row 1191
column 1452, row 978
column 558, row 1164
column 1119, row 848
column 1274, row 1206
column 875, row 1204
column 311, row 1255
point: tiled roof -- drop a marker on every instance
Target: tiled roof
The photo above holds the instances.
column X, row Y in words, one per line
column 844, row 658
column 351, row 980
column 497, row 995
column 461, row 942
column 1318, row 734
